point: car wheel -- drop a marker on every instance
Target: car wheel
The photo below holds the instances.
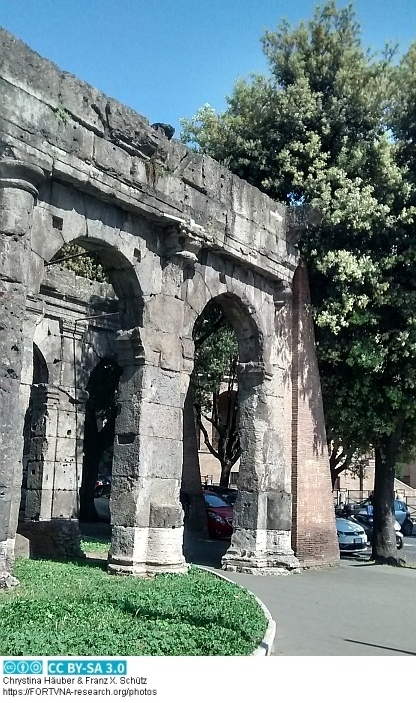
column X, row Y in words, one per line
column 399, row 542
column 407, row 528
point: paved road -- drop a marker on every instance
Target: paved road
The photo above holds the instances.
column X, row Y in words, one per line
column 355, row 609
column 409, row 549
column 408, row 553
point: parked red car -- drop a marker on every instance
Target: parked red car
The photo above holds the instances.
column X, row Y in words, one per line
column 220, row 516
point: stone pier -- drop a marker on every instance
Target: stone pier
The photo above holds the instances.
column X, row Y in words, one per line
column 174, row 230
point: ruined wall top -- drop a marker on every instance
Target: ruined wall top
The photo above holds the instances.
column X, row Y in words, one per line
column 81, row 137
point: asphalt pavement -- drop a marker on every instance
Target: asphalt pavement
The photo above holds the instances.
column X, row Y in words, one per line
column 355, row 609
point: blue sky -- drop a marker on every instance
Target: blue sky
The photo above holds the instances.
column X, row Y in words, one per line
column 167, row 58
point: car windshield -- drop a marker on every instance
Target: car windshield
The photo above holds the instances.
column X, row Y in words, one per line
column 215, row 501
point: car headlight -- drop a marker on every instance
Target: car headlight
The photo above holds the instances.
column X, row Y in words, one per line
column 341, row 534
column 216, row 517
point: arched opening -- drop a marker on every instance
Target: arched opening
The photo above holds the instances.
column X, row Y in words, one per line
column 215, row 391
column 98, row 261
column 99, row 432
column 86, row 305
column 228, row 343
column 111, row 301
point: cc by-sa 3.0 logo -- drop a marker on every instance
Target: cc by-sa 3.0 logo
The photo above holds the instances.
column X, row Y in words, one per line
column 22, row 666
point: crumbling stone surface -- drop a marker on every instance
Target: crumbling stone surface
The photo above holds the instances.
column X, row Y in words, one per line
column 174, row 230
column 8, row 581
column 57, row 539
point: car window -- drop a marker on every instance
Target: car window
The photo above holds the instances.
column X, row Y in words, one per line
column 215, row 501
column 399, row 505
column 231, row 498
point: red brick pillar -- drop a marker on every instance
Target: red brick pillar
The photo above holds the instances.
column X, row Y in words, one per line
column 314, row 537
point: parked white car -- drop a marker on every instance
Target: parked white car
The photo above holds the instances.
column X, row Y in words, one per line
column 351, row 536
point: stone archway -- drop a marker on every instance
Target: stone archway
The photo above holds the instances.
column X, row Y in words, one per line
column 176, row 230
column 75, row 328
column 261, row 539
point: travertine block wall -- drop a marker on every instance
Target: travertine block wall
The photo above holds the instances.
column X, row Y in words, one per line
column 174, row 230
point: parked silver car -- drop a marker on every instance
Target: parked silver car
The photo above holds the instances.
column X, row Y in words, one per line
column 351, row 536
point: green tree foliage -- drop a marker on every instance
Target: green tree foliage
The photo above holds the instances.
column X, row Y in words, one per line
column 83, row 263
column 333, row 125
column 216, row 356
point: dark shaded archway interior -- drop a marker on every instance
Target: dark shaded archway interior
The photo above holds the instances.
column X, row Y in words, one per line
column 34, row 428
column 99, row 432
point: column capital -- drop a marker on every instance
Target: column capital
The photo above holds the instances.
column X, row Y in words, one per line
column 130, row 349
column 20, row 174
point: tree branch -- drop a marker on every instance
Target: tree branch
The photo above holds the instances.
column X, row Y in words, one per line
column 205, row 433
column 214, row 328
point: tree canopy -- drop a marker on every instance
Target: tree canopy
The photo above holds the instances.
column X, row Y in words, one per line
column 334, row 126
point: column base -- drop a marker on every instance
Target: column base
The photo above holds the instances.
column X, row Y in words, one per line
column 144, row 551
column 260, row 552
column 6, row 579
column 125, row 567
column 258, row 562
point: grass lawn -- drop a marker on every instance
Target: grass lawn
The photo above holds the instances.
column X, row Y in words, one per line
column 98, row 545
column 79, row 609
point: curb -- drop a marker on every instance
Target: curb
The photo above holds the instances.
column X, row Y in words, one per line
column 265, row 647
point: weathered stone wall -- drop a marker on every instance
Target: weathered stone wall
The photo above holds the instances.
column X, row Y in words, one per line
column 102, row 147
column 174, row 230
column 71, row 322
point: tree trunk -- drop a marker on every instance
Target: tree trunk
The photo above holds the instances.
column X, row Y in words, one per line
column 335, row 472
column 384, row 536
column 226, row 467
column 195, row 514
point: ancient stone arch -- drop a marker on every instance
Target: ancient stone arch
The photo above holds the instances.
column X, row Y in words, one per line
column 174, row 230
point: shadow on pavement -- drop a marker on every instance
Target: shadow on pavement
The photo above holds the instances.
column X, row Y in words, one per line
column 205, row 552
column 380, row 646
column 360, row 558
